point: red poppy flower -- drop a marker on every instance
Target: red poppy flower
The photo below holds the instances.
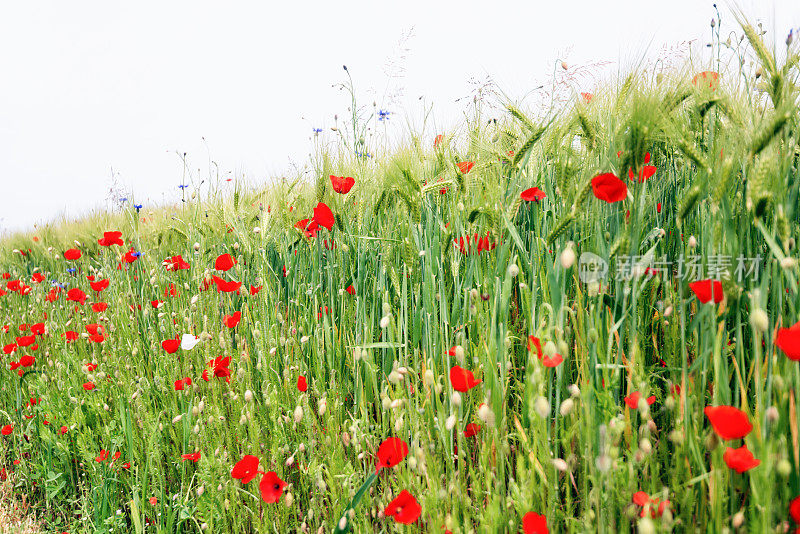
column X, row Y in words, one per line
column 438, row 141
column 728, row 422
column 341, row 184
column 471, row 430
column 180, row 384
column 100, row 285
column 391, row 452
column 110, row 238
column 27, row 361
column 641, row 498
column 255, row 289
column 404, row 508
column 225, row 286
column 76, row 295
column 26, row 341
column 533, row 523
column 99, row 307
column 788, row 340
column 465, row 166
column 8, row 349
column 245, row 469
column 102, row 457
column 632, row 400
column 324, row 216
column 462, row 380
column 309, row 227
column 175, row 263
column 7, row 430
column 88, row 386
column 37, row 278
column 224, row 262
column 72, row 254
column 706, row 289
column 587, row 97
column 658, row 207
column 130, row 256
column 219, row 366
column 62, row 430
column 794, row 509
column 555, row 361
column 709, row 79
column 231, row 321
column 533, row 194
column 171, row 346
column 70, row 336
column 740, row 460
column 609, row 188
column 351, row 290
column 645, row 174
column 271, row 487
column 195, row 457
column 302, row 385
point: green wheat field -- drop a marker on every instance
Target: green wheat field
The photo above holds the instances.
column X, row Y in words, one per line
column 576, row 321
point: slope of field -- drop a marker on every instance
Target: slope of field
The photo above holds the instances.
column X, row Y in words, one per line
column 578, row 324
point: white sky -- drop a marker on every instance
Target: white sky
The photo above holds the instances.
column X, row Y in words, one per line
column 87, row 86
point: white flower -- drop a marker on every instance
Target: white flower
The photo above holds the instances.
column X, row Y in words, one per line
column 188, row 341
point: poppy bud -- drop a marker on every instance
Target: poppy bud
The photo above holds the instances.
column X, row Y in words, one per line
column 456, row 398
column 574, row 391
column 513, row 270
column 668, row 311
column 486, row 415
column 428, row 378
column 645, row 446
column 692, row 242
column 759, row 320
column 566, row 407
column 559, row 464
column 450, row 422
column 568, row 256
column 177, row 419
column 542, row 407
column 323, row 405
column 646, row 526
column 772, row 414
column 712, row 441
column 298, row 414
column 676, row 437
column 784, row 468
column 788, row 263
column 197, row 247
column 384, row 321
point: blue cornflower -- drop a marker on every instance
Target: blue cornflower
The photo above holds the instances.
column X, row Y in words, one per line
column 136, row 254
column 56, row 283
column 137, row 206
column 72, row 270
column 383, row 115
column 123, row 200
column 182, row 186
column 316, row 130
